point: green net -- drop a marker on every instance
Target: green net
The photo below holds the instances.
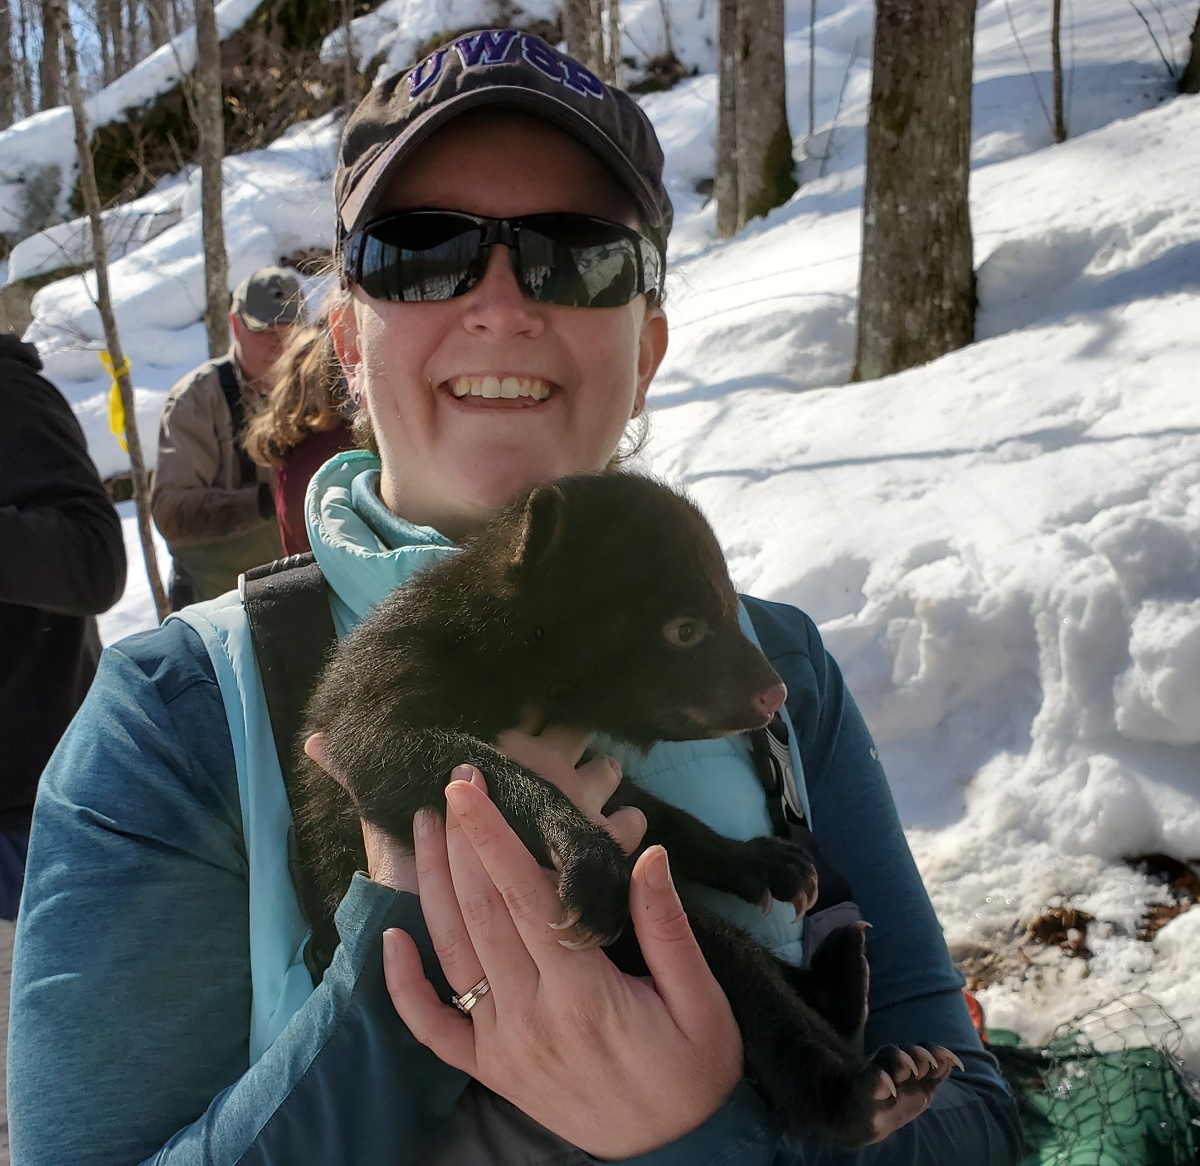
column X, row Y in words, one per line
column 1108, row 1089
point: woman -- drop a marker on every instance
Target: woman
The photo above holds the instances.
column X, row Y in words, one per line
column 161, row 1006
column 302, row 424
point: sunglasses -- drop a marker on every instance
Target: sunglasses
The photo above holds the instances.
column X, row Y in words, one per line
column 572, row 260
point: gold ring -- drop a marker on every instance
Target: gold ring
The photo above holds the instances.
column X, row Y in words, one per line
column 468, row 1000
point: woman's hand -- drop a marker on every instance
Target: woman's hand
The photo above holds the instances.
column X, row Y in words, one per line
column 616, row 1065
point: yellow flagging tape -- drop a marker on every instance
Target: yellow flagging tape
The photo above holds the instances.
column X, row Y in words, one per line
column 116, row 407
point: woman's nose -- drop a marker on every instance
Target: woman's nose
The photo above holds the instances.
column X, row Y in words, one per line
column 497, row 304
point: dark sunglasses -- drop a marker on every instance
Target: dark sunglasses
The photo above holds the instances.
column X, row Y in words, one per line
column 572, row 260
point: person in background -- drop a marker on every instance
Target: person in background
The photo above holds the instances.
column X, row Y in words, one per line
column 301, row 425
column 210, row 502
column 63, row 563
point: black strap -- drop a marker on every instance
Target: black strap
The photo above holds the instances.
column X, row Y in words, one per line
column 287, row 605
column 232, row 390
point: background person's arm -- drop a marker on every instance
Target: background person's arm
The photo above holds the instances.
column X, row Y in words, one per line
column 63, row 547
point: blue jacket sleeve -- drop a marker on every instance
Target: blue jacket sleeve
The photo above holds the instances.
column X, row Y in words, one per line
column 915, row 994
column 131, row 986
column 131, row 983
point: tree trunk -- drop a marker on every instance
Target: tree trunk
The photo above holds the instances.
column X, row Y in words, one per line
column 917, row 284
column 754, row 143
column 725, row 181
column 1190, row 81
column 583, row 30
column 1060, row 121
column 49, row 78
column 812, row 67
column 764, row 141
column 7, row 77
column 158, row 20
column 210, row 122
column 112, row 340
column 612, row 41
column 349, row 64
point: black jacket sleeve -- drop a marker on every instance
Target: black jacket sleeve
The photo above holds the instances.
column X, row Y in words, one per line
column 63, row 550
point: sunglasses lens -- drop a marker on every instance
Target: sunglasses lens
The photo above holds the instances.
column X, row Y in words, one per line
column 418, row 257
column 578, row 262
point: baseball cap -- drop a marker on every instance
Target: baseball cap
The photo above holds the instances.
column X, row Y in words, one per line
column 498, row 68
column 269, row 296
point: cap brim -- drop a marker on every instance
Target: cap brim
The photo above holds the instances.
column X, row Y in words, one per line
column 360, row 206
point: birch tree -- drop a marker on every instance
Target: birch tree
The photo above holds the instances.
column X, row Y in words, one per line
column 591, row 29
column 209, row 113
column 754, row 143
column 917, row 284
column 112, row 339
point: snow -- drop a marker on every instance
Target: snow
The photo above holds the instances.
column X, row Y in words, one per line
column 1002, row 548
column 45, row 142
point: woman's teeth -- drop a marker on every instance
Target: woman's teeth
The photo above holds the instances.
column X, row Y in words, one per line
column 508, row 387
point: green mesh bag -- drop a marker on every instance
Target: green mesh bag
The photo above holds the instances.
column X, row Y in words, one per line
column 1106, row 1090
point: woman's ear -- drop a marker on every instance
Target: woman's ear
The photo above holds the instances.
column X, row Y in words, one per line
column 652, row 347
column 343, row 327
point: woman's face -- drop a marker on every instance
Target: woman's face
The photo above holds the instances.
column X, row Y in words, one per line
column 450, row 461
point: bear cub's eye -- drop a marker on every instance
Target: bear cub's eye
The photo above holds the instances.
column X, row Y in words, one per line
column 685, row 632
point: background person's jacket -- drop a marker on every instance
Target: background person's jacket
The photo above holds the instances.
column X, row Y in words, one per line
column 215, row 523
column 62, row 562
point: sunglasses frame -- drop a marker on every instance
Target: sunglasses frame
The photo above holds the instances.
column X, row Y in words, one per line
column 491, row 231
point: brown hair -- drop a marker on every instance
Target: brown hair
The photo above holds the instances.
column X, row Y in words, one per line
column 308, row 396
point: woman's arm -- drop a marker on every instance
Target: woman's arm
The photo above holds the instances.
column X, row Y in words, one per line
column 131, row 983
column 915, row 995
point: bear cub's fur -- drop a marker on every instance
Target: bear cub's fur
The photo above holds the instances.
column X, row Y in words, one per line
column 602, row 602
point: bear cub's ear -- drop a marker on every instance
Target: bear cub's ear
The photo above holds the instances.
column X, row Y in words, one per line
column 541, row 531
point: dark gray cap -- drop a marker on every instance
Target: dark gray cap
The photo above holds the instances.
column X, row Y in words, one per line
column 498, row 68
column 269, row 296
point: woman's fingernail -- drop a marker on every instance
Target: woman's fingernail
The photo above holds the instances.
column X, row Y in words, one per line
column 423, row 823
column 391, row 944
column 462, row 773
column 454, row 798
column 658, row 869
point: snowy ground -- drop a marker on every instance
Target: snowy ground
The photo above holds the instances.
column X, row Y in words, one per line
column 1002, row 548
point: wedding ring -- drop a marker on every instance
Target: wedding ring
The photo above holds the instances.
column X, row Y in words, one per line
column 468, row 1000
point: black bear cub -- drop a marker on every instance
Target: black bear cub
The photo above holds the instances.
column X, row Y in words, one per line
column 601, row 602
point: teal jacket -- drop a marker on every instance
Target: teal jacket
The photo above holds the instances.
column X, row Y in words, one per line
column 142, row 1028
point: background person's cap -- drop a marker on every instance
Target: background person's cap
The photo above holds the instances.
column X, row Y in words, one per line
column 498, row 68
column 269, row 296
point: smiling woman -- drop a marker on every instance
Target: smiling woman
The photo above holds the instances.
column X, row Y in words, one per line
column 502, row 231
column 432, row 372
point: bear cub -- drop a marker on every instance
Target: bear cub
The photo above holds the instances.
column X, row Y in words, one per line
column 603, row 602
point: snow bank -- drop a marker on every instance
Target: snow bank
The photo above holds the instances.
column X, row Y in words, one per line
column 37, row 155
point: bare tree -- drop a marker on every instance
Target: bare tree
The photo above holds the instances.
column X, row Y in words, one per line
column 725, row 181
column 752, row 112
column 1190, row 81
column 349, row 64
column 7, row 77
column 917, row 284
column 1060, row 121
column 49, row 86
column 112, row 339
column 591, row 30
column 210, row 115
column 158, row 20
